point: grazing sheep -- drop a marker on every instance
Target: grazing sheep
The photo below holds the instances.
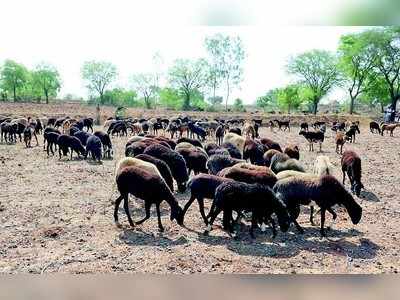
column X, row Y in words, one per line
column 235, row 140
column 259, row 199
column 245, row 172
column 83, row 136
column 194, row 142
column 28, row 133
column 175, row 162
column 270, row 144
column 313, row 137
column 340, row 140
column 304, row 126
column 248, row 130
column 292, row 151
column 171, row 143
column 289, row 164
column 213, row 149
column 88, row 123
column 374, row 126
column 48, row 130
column 196, row 159
column 203, row 186
column 232, row 149
column 70, row 143
column 236, row 130
column 51, row 139
column 351, row 133
column 94, row 147
column 197, row 130
column 254, row 151
column 136, row 162
column 326, row 191
column 219, row 134
column 389, row 127
column 351, row 164
column 148, row 187
column 106, row 142
column 162, row 168
column 184, row 145
column 268, row 156
column 323, row 166
column 285, row 124
column 291, row 173
column 219, row 162
column 278, row 158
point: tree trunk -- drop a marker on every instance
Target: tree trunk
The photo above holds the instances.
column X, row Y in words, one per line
column 382, row 108
column 98, row 114
column 315, row 107
column 186, row 102
column 47, row 96
column 227, row 94
column 394, row 105
column 15, row 93
column 351, row 109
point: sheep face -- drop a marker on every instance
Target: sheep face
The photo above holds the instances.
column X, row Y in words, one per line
column 283, row 216
column 181, row 187
column 177, row 214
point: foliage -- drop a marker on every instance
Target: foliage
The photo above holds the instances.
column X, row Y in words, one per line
column 227, row 56
column 13, row 78
column 145, row 84
column 170, row 98
column 238, row 105
column 317, row 69
column 269, row 100
column 188, row 76
column 98, row 76
column 46, row 79
column 121, row 97
column 289, row 97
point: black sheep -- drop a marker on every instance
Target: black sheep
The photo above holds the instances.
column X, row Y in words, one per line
column 304, row 126
column 254, row 151
column 270, row 144
column 88, row 123
column 326, row 191
column 174, row 160
column 70, row 143
column 197, row 130
column 196, row 160
column 351, row 133
column 313, row 137
column 351, row 164
column 219, row 134
column 219, row 162
column 94, row 147
column 374, row 126
column 162, row 168
column 48, row 130
column 258, row 199
column 194, row 142
column 51, row 139
column 232, row 149
column 106, row 142
column 148, row 187
column 83, row 136
column 203, row 186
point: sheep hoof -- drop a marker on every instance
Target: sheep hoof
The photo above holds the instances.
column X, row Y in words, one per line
column 118, row 224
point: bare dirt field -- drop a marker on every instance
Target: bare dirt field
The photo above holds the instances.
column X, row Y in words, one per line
column 55, row 216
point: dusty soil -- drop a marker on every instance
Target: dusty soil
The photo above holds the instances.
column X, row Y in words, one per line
column 55, row 216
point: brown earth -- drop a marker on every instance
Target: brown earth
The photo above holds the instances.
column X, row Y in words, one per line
column 55, row 216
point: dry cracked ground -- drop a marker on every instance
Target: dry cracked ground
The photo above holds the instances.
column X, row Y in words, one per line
column 55, row 216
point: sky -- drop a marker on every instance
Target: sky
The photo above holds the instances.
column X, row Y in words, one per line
column 68, row 33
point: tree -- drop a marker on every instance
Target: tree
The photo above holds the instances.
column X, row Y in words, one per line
column 238, row 105
column 357, row 61
column 317, row 69
column 188, row 77
column 98, row 75
column 386, row 44
column 170, row 98
column 269, row 100
column 227, row 55
column 13, row 77
column 47, row 79
column 289, row 98
column 121, row 97
column 145, row 83
column 215, row 100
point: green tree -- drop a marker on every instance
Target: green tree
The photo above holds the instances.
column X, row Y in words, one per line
column 121, row 97
column 317, row 69
column 238, row 105
column 47, row 79
column 98, row 76
column 289, row 97
column 13, row 78
column 357, row 61
column 386, row 45
column 145, row 84
column 269, row 100
column 170, row 98
column 227, row 56
column 188, row 76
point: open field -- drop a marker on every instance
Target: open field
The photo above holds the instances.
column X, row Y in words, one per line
column 55, row 216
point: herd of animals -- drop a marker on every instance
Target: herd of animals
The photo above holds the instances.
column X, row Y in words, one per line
column 232, row 165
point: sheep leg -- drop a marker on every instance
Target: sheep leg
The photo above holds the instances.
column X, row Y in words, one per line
column 160, row 227
column 147, row 206
column 272, row 222
column 126, row 208
column 253, row 225
column 312, row 215
column 322, row 231
column 201, row 206
column 344, row 176
column 213, row 214
column 187, row 205
column 117, row 203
